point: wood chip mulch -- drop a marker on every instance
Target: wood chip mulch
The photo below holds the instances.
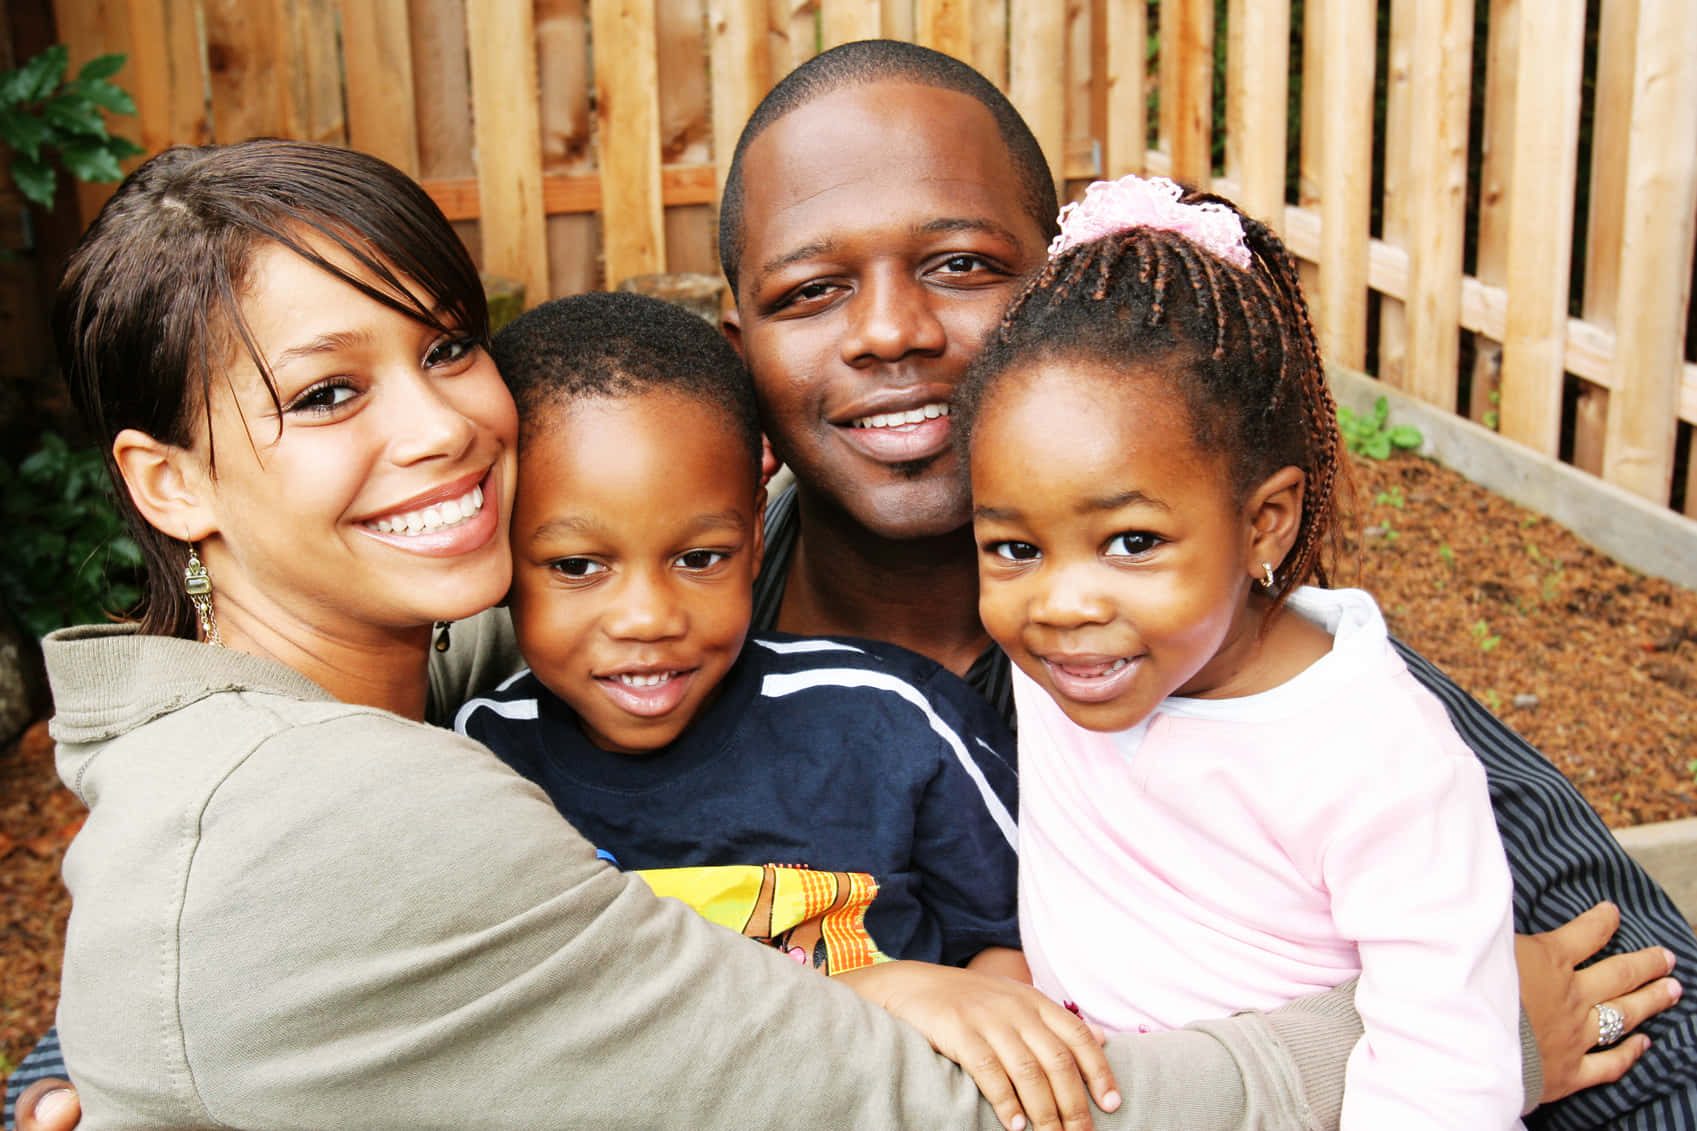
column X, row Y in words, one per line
column 1596, row 665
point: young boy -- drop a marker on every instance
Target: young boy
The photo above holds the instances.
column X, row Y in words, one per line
column 845, row 801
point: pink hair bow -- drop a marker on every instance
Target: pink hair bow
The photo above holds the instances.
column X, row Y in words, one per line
column 1110, row 207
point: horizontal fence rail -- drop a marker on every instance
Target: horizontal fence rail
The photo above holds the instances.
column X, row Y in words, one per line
column 1494, row 200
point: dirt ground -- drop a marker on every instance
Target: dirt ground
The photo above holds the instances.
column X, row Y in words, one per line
column 1594, row 664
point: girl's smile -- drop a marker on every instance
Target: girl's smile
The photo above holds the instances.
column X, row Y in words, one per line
column 1115, row 564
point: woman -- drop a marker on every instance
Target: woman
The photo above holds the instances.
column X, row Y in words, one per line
column 296, row 902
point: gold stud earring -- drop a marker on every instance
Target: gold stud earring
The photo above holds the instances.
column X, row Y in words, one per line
column 1268, row 580
column 199, row 588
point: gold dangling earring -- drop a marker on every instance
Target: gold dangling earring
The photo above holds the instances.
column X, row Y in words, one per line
column 199, row 588
column 1268, row 580
column 442, row 641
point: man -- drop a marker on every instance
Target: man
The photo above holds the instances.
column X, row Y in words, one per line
column 882, row 204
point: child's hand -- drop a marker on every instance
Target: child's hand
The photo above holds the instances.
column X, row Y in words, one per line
column 1030, row 1057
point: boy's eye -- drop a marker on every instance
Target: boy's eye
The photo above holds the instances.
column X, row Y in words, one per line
column 1133, row 543
column 1015, row 551
column 701, row 559
column 578, row 567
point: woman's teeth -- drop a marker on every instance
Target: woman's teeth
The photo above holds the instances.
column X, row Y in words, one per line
column 897, row 419
column 430, row 519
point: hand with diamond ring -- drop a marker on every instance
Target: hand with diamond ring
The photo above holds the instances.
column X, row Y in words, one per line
column 1562, row 1001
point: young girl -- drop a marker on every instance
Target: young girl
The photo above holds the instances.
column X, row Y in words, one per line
column 1232, row 793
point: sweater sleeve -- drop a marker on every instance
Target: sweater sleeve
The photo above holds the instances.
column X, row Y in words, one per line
column 413, row 937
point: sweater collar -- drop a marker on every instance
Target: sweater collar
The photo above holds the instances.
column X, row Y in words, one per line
column 108, row 679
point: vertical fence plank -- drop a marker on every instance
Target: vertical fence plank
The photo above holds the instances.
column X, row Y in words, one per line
column 1611, row 132
column 508, row 132
column 1082, row 157
column 896, row 19
column 685, row 123
column 248, row 72
column 945, row 25
column 627, row 112
column 166, row 74
column 1036, row 54
column 1125, row 131
column 1490, row 257
column 563, row 85
column 740, row 72
column 377, row 58
column 1656, row 249
column 1394, row 203
column 793, row 25
column 844, row 21
column 1187, row 85
column 1436, row 194
column 1540, row 238
column 1257, row 97
column 317, row 104
column 990, row 42
column 1346, row 180
column 442, row 97
column 1311, row 157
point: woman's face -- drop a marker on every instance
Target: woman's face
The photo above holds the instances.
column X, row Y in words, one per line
column 378, row 499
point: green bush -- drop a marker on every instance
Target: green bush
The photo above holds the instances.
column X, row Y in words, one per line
column 67, row 559
column 42, row 114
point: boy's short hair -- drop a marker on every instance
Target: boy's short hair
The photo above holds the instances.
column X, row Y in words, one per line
column 618, row 345
column 868, row 61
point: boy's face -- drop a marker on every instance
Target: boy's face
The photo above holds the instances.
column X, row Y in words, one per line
column 637, row 533
column 884, row 235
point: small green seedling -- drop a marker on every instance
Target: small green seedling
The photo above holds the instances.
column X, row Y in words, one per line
column 1482, row 634
column 1493, row 701
column 1391, row 498
column 1368, row 435
column 1446, row 555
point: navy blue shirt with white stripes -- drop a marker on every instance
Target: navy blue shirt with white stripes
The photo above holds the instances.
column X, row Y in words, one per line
column 836, row 755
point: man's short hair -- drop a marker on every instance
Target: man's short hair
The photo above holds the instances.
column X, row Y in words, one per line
column 618, row 345
column 878, row 60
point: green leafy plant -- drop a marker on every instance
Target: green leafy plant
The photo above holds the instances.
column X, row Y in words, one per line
column 1482, row 635
column 67, row 559
column 1445, row 554
column 1391, row 498
column 1370, row 436
column 43, row 114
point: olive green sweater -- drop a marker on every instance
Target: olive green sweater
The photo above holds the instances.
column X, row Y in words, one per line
column 293, row 912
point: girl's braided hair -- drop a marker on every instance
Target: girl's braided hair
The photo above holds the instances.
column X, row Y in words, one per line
column 1237, row 343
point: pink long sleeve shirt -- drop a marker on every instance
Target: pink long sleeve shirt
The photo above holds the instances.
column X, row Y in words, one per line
column 1231, row 854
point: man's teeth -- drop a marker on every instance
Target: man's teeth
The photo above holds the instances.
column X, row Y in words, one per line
column 430, row 519
column 637, row 679
column 898, row 419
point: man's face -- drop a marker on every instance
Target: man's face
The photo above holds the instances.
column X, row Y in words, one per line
column 884, row 235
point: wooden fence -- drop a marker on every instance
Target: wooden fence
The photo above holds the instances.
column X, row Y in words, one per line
column 577, row 142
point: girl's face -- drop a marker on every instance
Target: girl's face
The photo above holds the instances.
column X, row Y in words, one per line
column 378, row 500
column 1115, row 567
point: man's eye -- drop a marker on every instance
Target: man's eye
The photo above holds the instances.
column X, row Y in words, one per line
column 1132, row 544
column 579, row 567
column 962, row 264
column 701, row 559
column 1016, row 551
